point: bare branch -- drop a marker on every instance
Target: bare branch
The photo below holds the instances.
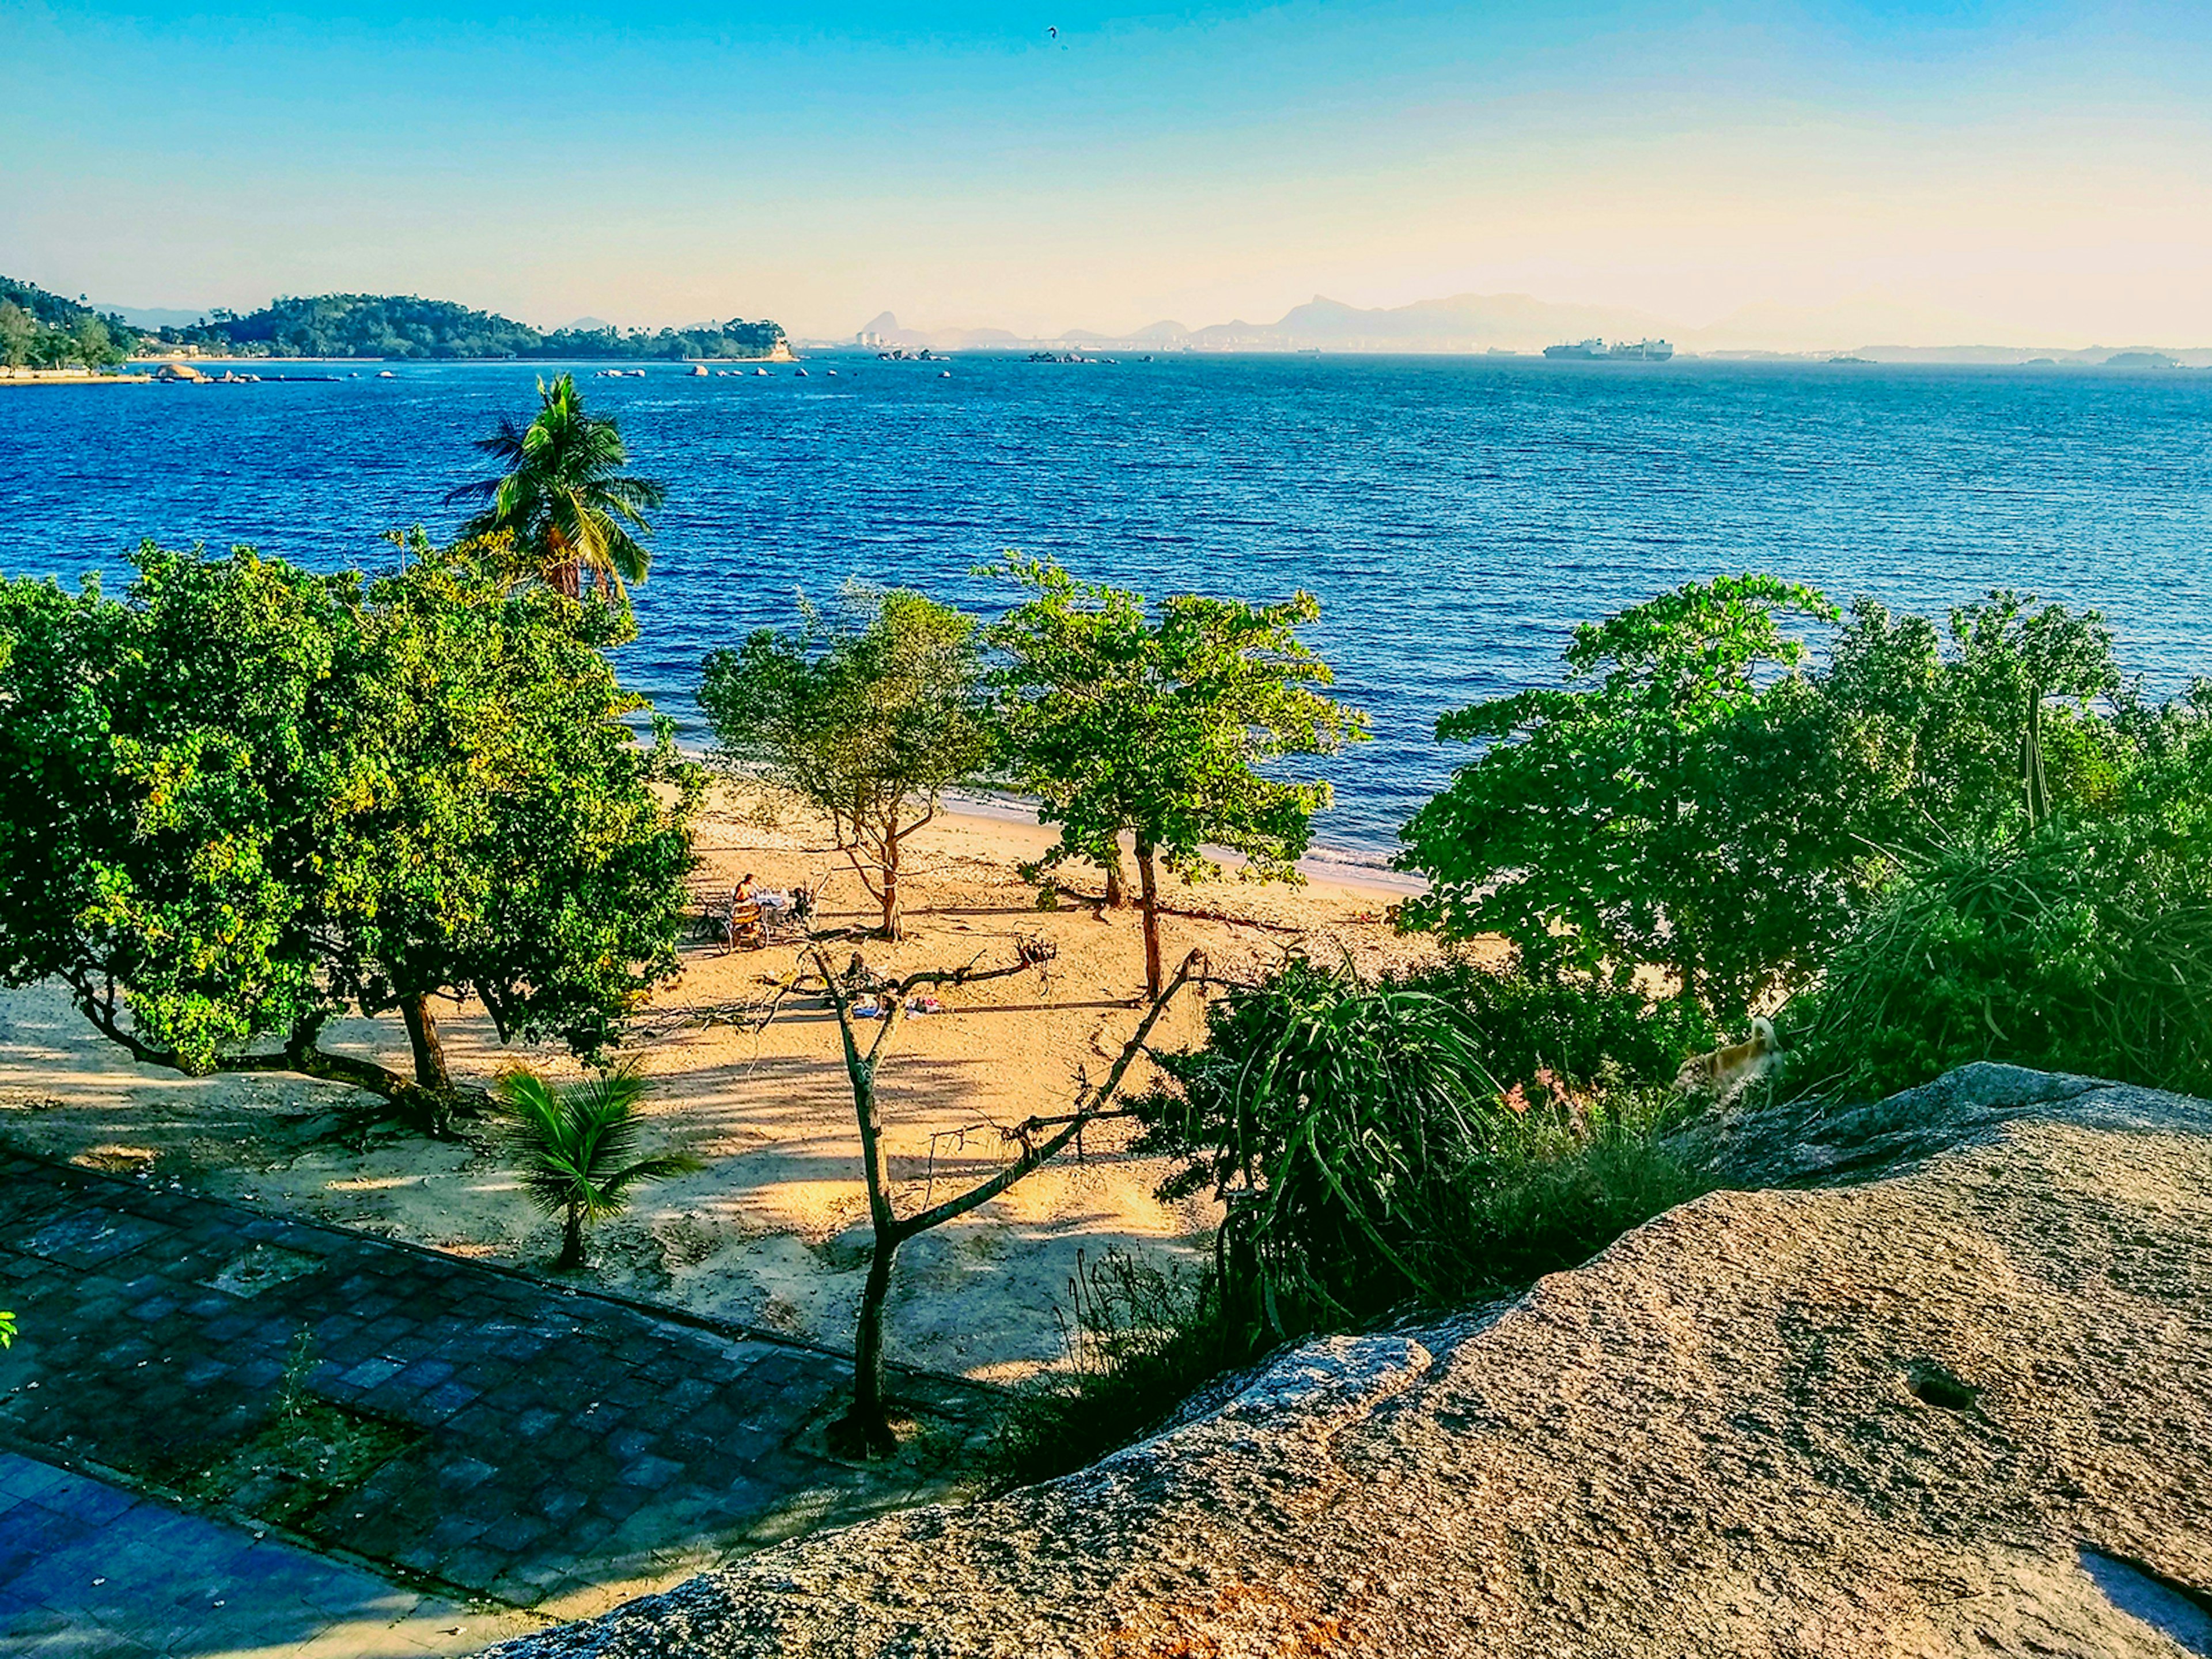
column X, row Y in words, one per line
column 1037, row 1152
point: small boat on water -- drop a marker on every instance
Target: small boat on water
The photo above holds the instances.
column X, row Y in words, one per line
column 831, row 373
column 699, row 371
column 761, row 371
column 385, row 375
column 799, row 375
column 943, row 374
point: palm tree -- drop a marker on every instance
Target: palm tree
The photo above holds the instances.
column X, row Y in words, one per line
column 564, row 495
column 570, row 1146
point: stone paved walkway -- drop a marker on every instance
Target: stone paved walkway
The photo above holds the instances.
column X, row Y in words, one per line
column 88, row 1570
column 562, row 1450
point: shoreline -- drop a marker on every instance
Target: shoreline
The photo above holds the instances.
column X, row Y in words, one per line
column 773, row 1230
column 1338, row 866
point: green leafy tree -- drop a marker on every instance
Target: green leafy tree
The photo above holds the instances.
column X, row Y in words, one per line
column 248, row 799
column 91, row 345
column 867, row 718
column 1998, row 728
column 1119, row 718
column 565, row 497
column 18, row 331
column 574, row 1148
column 1681, row 800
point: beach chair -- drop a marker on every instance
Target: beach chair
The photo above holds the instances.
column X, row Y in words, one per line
column 742, row 924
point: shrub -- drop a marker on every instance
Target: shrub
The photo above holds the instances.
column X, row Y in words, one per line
column 2082, row 947
column 1592, row 1031
column 1368, row 1155
column 1369, row 1159
column 1136, row 1339
column 572, row 1148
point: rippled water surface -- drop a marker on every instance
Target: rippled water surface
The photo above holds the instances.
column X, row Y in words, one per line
column 1457, row 518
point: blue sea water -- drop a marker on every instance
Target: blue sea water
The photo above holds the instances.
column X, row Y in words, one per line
column 1456, row 517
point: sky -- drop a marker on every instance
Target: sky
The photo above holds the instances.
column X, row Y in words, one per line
column 2040, row 173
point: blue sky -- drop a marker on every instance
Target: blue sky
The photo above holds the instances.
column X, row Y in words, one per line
column 2042, row 168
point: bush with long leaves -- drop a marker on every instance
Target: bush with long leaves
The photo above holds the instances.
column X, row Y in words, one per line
column 1367, row 1155
column 2086, row 947
column 574, row 1148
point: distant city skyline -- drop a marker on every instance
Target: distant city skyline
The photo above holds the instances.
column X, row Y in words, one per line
column 2040, row 171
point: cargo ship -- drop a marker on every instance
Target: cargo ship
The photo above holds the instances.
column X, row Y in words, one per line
column 1646, row 351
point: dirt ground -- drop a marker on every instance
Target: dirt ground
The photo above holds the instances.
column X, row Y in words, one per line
column 773, row 1232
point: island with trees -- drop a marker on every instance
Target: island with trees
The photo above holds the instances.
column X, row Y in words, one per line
column 41, row 329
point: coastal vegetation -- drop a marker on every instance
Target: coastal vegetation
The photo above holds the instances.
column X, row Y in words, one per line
column 1122, row 716
column 562, row 503
column 867, row 716
column 38, row 329
column 1929, row 845
column 42, row 330
column 573, row 1147
column 245, row 799
column 404, row 326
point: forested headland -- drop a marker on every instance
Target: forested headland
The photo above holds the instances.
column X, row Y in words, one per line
column 42, row 330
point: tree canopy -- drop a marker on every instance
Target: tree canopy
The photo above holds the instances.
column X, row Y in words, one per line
column 407, row 327
column 245, row 799
column 1695, row 796
column 867, row 716
column 1120, row 717
column 38, row 329
column 562, row 500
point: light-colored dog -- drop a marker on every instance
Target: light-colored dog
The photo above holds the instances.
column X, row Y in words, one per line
column 1726, row 1071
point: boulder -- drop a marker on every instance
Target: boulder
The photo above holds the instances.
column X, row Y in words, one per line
column 1944, row 1388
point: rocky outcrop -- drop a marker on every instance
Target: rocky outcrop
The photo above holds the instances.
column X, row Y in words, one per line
column 1950, row 1392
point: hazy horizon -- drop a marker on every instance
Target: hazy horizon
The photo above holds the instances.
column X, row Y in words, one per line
column 2034, row 175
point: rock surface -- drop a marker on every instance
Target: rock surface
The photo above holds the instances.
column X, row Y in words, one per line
column 1950, row 1394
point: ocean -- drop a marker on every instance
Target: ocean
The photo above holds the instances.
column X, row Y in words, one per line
column 1456, row 517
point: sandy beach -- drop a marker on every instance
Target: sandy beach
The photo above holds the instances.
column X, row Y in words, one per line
column 773, row 1232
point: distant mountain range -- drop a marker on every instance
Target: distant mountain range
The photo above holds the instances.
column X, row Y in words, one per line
column 1872, row 325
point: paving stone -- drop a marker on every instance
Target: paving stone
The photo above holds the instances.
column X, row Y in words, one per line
column 667, row 1431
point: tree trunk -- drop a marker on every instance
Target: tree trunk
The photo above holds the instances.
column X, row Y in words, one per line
column 892, row 917
column 1149, row 889
column 866, row 1430
column 1117, row 889
column 572, row 1239
column 429, row 1049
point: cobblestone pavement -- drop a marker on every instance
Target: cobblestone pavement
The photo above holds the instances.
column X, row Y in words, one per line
column 562, row 1449
column 88, row 1570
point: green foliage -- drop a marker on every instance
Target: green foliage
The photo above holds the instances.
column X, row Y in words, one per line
column 1119, row 718
column 2085, row 947
column 1693, row 798
column 247, row 798
column 405, row 326
column 562, row 499
column 1367, row 1159
column 866, row 716
column 1550, row 1027
column 19, row 335
column 1137, row 1341
column 574, row 1148
column 38, row 329
column 1667, row 805
column 1943, row 730
column 1367, row 1154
